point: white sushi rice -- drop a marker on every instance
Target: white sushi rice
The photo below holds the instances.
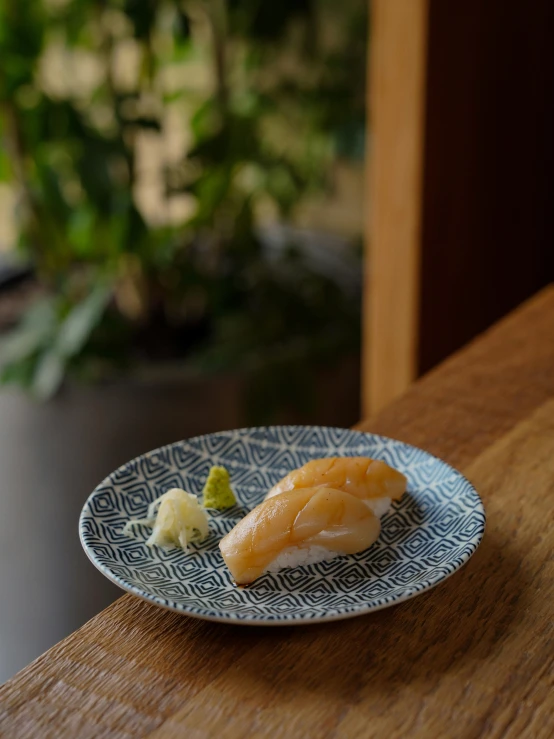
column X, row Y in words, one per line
column 299, row 556
column 379, row 506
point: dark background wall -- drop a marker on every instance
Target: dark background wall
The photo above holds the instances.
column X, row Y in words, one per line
column 488, row 205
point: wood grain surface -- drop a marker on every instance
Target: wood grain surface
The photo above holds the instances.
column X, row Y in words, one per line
column 473, row 657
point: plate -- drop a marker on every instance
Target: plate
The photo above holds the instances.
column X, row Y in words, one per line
column 425, row 537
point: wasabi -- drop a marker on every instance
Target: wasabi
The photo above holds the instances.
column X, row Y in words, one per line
column 217, row 490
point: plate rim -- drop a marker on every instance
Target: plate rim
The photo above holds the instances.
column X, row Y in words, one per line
column 293, row 619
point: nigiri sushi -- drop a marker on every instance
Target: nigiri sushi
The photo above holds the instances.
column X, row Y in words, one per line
column 371, row 480
column 298, row 527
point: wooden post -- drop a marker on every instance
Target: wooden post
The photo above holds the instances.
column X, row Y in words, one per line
column 396, row 78
column 460, row 164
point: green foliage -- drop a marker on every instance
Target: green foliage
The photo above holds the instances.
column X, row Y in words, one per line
column 119, row 290
column 52, row 333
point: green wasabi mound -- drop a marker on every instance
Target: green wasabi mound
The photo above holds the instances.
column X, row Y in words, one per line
column 217, row 490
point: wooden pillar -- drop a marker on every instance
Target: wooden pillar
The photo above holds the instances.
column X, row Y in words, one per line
column 395, row 157
column 460, row 223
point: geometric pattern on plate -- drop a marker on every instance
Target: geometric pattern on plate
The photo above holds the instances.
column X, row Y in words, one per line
column 426, row 536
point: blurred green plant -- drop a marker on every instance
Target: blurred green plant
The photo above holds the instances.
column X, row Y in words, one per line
column 284, row 93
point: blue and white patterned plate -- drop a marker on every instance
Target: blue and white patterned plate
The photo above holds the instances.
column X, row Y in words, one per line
column 425, row 538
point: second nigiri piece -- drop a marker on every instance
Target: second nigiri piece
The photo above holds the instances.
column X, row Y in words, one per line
column 371, row 480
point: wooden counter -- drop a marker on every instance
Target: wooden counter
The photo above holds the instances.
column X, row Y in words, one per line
column 473, row 657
